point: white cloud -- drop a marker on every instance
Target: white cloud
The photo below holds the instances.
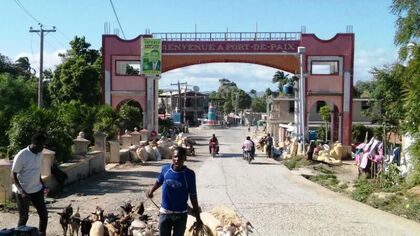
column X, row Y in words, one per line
column 206, row 76
column 51, row 59
column 365, row 60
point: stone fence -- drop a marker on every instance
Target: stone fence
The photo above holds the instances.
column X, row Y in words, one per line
column 86, row 161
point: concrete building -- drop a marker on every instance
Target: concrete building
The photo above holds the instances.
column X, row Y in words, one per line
column 196, row 105
column 281, row 110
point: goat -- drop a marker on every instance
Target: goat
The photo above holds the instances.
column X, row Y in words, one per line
column 127, row 207
column 75, row 223
column 85, row 226
column 97, row 228
column 65, row 218
column 222, row 222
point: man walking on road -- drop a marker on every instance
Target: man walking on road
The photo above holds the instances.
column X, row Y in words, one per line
column 178, row 183
column 269, row 144
column 28, row 186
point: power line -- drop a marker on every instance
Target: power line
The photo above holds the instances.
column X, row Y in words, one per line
column 41, row 32
column 118, row 20
column 26, row 11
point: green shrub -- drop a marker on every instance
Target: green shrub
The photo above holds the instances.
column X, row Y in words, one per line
column 76, row 117
column 165, row 124
column 107, row 121
column 37, row 120
column 130, row 117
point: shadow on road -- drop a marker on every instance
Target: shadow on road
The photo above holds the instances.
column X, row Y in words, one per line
column 263, row 163
column 230, row 155
column 108, row 182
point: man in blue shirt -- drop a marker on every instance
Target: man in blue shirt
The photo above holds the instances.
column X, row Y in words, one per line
column 178, row 183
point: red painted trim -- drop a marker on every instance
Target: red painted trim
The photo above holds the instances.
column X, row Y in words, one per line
column 111, row 36
column 327, row 40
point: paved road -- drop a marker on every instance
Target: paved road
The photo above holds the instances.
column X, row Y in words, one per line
column 265, row 193
column 279, row 203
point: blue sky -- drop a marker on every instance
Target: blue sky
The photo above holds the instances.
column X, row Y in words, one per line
column 372, row 23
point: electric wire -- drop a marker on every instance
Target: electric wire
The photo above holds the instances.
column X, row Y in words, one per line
column 26, row 11
column 118, row 20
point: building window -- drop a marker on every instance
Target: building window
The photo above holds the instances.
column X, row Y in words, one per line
column 324, row 67
column 320, row 104
column 291, row 106
column 365, row 105
column 128, row 67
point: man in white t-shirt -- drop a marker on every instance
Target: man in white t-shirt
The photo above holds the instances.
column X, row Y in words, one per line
column 28, row 186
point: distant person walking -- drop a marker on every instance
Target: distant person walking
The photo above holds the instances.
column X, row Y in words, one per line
column 178, row 183
column 268, row 145
column 28, row 186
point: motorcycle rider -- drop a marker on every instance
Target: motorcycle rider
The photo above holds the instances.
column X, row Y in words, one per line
column 213, row 139
column 248, row 146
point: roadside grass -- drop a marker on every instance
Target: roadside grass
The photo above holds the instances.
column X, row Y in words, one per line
column 389, row 192
column 7, row 206
column 296, row 162
column 329, row 181
column 402, row 204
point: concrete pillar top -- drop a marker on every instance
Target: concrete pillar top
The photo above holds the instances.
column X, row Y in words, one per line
column 127, row 134
column 100, row 134
column 47, row 152
column 5, row 162
column 135, row 132
column 81, row 138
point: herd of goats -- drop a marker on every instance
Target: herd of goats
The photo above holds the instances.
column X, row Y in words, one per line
column 131, row 220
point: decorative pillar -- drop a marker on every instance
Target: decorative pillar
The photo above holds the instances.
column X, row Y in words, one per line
column 47, row 162
column 144, row 135
column 135, row 137
column 150, row 107
column 126, row 140
column 5, row 180
column 114, row 150
column 100, row 141
column 80, row 144
column 155, row 108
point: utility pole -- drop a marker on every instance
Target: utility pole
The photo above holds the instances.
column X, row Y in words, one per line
column 41, row 32
column 179, row 97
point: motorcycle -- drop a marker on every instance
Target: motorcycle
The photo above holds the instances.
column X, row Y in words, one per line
column 213, row 148
column 248, row 156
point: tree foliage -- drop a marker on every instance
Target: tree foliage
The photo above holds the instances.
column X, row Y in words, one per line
column 107, row 121
column 387, row 93
column 325, row 113
column 363, row 89
column 282, row 78
column 130, row 117
column 76, row 117
column 78, row 77
column 37, row 120
column 259, row 104
column 407, row 37
column 234, row 97
column 407, row 25
column 17, row 94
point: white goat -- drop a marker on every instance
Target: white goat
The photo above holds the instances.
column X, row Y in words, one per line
column 97, row 228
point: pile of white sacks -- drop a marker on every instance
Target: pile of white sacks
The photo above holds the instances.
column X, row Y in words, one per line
column 162, row 149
